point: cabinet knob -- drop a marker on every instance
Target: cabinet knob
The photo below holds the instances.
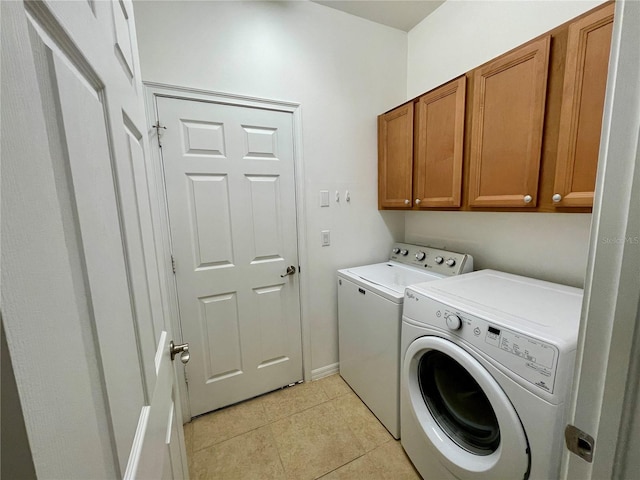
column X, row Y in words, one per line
column 407, row 202
column 527, row 198
column 556, row 198
column 417, row 201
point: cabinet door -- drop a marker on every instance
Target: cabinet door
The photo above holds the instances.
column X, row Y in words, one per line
column 507, row 121
column 395, row 157
column 585, row 81
column 440, row 138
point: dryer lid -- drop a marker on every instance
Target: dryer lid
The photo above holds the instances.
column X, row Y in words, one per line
column 392, row 275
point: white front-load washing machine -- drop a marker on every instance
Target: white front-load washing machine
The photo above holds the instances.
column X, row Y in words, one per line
column 487, row 365
column 369, row 316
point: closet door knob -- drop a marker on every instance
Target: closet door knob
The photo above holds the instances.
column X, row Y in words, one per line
column 182, row 350
column 527, row 198
column 417, row 201
column 290, row 271
column 407, row 202
column 556, row 198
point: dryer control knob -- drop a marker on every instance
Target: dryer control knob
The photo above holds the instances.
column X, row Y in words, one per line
column 396, row 250
column 420, row 256
column 439, row 260
column 453, row 322
column 450, row 262
column 404, row 252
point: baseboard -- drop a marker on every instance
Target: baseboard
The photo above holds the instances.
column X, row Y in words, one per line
column 325, row 371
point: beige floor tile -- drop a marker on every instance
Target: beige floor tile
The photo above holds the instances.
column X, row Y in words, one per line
column 252, row 455
column 387, row 462
column 224, row 424
column 360, row 468
column 393, row 462
column 366, row 427
column 334, row 386
column 188, row 437
column 291, row 400
column 314, row 442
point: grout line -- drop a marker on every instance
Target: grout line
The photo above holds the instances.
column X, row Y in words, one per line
column 275, row 444
column 195, row 449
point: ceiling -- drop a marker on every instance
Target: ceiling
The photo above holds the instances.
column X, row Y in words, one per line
column 400, row 14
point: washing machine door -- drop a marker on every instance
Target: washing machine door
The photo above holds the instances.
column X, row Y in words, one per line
column 467, row 419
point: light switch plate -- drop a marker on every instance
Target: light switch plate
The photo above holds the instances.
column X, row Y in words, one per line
column 326, row 238
column 324, row 198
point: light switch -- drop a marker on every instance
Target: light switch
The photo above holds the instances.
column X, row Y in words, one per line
column 324, row 198
column 326, row 238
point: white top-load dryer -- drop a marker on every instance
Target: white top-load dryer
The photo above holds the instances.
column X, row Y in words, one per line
column 370, row 301
column 487, row 365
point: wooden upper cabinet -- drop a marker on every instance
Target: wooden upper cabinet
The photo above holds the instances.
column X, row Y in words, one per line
column 507, row 123
column 439, row 135
column 395, row 157
column 585, row 80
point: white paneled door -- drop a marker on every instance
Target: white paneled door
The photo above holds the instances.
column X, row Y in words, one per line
column 81, row 297
column 229, row 175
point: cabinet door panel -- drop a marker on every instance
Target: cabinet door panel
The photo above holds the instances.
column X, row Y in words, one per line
column 440, row 139
column 395, row 157
column 507, row 124
column 583, row 102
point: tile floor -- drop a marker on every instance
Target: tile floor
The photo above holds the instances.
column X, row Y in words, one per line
column 313, row 430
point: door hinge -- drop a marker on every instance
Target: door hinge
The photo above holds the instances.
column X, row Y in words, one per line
column 579, row 442
column 159, row 127
column 173, row 264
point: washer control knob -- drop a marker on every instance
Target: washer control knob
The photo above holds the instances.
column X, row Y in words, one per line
column 439, row 260
column 404, row 252
column 396, row 250
column 420, row 256
column 450, row 262
column 453, row 322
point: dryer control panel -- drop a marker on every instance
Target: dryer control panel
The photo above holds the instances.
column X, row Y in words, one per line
column 433, row 260
column 534, row 360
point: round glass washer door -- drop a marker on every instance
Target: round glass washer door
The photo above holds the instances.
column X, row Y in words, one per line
column 464, row 413
column 458, row 404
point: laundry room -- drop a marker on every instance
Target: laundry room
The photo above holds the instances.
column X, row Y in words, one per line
column 276, row 199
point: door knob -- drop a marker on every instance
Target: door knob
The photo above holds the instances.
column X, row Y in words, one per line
column 290, row 271
column 182, row 349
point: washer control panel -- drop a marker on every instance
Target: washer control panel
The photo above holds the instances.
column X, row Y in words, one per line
column 434, row 260
column 532, row 359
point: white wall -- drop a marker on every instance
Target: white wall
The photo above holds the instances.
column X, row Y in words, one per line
column 461, row 35
column 550, row 246
column 457, row 37
column 343, row 70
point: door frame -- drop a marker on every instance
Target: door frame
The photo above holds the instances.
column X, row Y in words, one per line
column 160, row 211
column 605, row 385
